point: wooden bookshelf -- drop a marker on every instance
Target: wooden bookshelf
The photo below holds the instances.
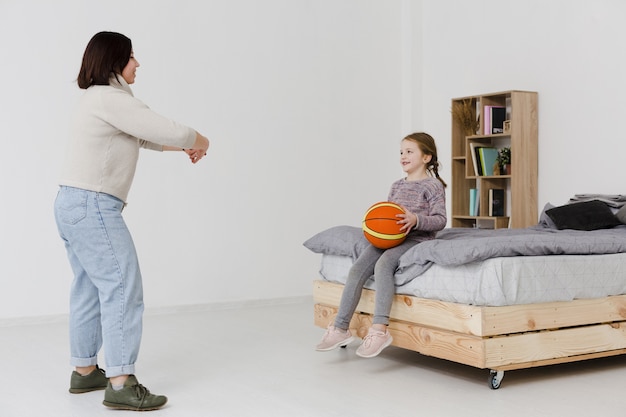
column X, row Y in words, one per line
column 520, row 185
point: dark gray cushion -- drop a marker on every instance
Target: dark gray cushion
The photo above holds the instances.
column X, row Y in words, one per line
column 588, row 215
column 621, row 214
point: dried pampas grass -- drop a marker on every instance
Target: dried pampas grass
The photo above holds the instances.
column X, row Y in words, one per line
column 464, row 112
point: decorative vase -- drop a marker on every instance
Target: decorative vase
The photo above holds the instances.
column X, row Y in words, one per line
column 507, row 169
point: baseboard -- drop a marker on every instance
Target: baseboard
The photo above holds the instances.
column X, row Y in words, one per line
column 228, row 305
column 155, row 311
column 33, row 320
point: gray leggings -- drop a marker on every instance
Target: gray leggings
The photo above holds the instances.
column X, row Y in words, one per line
column 382, row 263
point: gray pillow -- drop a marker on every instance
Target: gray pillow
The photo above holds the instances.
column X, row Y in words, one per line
column 544, row 219
column 338, row 240
column 621, row 214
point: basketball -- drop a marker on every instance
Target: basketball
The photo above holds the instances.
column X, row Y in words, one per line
column 379, row 225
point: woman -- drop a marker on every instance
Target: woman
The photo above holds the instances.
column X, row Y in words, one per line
column 106, row 300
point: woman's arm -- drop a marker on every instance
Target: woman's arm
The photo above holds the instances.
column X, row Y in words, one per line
column 201, row 143
column 197, row 151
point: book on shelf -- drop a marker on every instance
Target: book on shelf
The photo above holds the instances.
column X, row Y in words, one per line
column 487, row 120
column 496, row 202
column 473, row 202
column 494, row 119
column 498, row 116
column 477, row 205
column 474, row 154
column 488, row 156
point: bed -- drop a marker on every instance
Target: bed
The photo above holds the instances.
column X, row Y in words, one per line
column 500, row 299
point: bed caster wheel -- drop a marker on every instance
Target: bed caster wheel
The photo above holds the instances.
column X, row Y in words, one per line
column 495, row 378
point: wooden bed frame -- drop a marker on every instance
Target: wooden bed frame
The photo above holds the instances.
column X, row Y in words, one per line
column 494, row 338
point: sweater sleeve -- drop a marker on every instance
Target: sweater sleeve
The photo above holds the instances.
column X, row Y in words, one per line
column 435, row 218
column 133, row 117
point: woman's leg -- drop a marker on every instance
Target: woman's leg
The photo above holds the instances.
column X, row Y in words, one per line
column 102, row 252
column 118, row 278
column 360, row 272
column 85, row 324
column 70, row 209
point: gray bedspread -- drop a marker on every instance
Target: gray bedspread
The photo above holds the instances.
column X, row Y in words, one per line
column 458, row 246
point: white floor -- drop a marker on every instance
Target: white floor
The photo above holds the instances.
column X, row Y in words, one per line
column 259, row 361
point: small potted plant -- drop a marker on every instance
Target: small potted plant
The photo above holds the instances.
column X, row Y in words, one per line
column 504, row 160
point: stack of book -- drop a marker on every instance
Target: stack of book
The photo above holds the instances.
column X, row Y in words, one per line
column 483, row 159
column 494, row 119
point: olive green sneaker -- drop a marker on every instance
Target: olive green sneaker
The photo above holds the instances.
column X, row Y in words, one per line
column 94, row 381
column 133, row 396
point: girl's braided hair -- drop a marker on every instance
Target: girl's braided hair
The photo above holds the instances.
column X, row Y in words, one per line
column 427, row 145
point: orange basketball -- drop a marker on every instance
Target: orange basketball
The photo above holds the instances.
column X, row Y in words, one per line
column 379, row 225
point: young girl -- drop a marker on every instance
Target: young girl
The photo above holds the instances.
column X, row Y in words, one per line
column 422, row 195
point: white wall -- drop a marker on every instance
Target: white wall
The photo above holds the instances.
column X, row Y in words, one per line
column 569, row 51
column 298, row 98
column 305, row 103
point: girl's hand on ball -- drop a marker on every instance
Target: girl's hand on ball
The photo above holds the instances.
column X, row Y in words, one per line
column 408, row 222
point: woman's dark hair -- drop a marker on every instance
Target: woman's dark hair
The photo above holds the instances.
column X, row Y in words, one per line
column 106, row 53
column 427, row 145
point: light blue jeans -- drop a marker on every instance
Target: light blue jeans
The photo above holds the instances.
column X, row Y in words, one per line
column 106, row 300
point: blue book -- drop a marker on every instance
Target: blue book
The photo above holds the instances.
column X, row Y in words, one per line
column 488, row 156
column 473, row 195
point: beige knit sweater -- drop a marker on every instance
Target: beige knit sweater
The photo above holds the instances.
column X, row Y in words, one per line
column 109, row 127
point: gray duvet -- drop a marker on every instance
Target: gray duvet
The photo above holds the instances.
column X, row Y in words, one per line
column 459, row 246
